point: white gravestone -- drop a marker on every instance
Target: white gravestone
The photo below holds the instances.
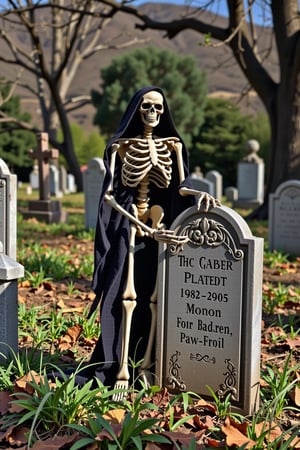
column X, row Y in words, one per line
column 10, row 270
column 217, row 180
column 71, row 186
column 209, row 309
column 284, row 218
column 92, row 182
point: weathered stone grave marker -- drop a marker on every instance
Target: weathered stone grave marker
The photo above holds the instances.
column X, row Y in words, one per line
column 216, row 178
column 92, row 182
column 251, row 174
column 44, row 209
column 284, row 218
column 62, row 174
column 202, row 184
column 54, row 181
column 10, row 270
column 209, row 315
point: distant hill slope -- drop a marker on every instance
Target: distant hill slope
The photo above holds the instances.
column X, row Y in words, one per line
column 224, row 78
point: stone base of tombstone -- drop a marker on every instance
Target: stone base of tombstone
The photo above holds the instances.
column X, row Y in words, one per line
column 48, row 211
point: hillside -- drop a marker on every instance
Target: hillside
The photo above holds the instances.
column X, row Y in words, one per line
column 224, row 77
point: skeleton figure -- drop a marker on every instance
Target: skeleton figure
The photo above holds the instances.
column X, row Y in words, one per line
column 146, row 187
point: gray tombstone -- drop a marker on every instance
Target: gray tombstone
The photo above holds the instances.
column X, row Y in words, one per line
column 92, row 183
column 209, row 309
column 62, row 177
column 250, row 179
column 284, row 218
column 201, row 184
column 231, row 193
column 217, row 180
column 34, row 177
column 10, row 270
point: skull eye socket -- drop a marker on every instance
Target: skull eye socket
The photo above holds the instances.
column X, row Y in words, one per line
column 146, row 105
column 158, row 107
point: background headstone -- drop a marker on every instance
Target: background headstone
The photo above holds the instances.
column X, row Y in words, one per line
column 62, row 178
column 71, row 186
column 284, row 218
column 201, row 184
column 231, row 193
column 54, row 181
column 44, row 209
column 250, row 178
column 93, row 178
column 10, row 270
column 217, row 180
column 209, row 308
column 34, row 177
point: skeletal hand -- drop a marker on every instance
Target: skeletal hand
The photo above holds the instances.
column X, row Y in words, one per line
column 169, row 237
column 207, row 200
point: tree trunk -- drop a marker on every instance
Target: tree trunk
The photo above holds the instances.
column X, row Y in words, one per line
column 66, row 148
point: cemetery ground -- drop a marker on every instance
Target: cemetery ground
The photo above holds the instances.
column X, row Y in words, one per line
column 38, row 411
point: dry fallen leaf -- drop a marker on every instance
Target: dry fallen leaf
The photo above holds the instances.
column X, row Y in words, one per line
column 70, row 338
column 5, row 398
column 234, row 437
column 56, row 443
column 295, row 392
column 22, row 384
column 115, row 415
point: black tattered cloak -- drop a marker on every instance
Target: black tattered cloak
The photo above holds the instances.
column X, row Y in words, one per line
column 112, row 242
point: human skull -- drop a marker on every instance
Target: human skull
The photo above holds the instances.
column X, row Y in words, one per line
column 152, row 107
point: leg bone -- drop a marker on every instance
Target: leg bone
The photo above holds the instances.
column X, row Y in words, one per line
column 128, row 307
column 156, row 214
column 129, row 292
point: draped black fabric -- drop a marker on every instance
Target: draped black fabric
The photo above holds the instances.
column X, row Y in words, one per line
column 112, row 243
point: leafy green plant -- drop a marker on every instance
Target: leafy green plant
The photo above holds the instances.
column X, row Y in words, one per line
column 184, row 399
column 90, row 326
column 130, row 433
column 71, row 289
column 56, row 402
column 274, row 296
column 56, row 324
column 279, row 383
column 275, row 258
column 37, row 278
column 267, row 426
column 18, row 364
column 223, row 406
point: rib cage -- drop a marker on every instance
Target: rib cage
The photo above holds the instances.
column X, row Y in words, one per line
column 152, row 158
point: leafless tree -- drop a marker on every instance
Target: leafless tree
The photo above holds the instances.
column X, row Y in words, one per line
column 279, row 90
column 45, row 43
